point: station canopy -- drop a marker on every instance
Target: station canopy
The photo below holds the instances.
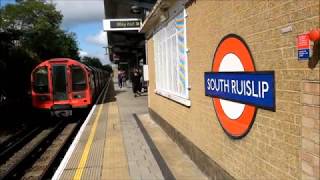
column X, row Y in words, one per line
column 126, row 46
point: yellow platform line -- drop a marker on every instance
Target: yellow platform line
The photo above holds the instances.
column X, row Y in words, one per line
column 86, row 150
column 115, row 163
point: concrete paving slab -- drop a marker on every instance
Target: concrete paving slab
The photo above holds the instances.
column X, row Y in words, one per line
column 127, row 144
column 178, row 162
column 138, row 151
column 115, row 164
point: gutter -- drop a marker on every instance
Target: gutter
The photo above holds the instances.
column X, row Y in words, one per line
column 160, row 8
column 151, row 16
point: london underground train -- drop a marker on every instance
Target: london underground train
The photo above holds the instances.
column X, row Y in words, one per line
column 61, row 85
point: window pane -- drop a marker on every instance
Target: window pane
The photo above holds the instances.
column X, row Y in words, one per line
column 41, row 80
column 78, row 79
column 59, row 81
column 182, row 62
column 171, row 59
column 174, row 63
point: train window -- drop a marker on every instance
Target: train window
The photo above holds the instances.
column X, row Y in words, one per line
column 40, row 84
column 78, row 79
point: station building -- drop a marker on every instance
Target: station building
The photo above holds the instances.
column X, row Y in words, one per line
column 126, row 47
column 228, row 132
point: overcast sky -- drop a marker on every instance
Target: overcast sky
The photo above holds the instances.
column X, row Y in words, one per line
column 77, row 12
column 84, row 17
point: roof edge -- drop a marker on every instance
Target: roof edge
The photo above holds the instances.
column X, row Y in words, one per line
column 146, row 23
column 154, row 17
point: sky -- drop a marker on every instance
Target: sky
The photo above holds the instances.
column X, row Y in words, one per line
column 83, row 17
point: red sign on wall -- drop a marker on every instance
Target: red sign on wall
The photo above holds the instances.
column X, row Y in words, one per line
column 303, row 46
column 303, row 41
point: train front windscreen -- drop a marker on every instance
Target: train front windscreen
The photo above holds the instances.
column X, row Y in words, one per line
column 40, row 84
column 59, row 82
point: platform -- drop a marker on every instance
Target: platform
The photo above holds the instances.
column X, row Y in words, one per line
column 119, row 140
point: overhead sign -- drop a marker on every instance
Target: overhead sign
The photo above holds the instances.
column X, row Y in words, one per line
column 303, row 46
column 121, row 24
column 237, row 89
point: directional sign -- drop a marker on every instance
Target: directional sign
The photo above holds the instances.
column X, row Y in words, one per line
column 303, row 54
column 303, row 46
column 121, row 24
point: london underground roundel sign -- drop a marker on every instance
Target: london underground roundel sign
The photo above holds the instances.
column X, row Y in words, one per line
column 236, row 87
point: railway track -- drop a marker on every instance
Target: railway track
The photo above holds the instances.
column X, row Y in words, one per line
column 15, row 142
column 34, row 158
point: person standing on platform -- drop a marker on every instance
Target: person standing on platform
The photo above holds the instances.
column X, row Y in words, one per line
column 136, row 82
column 141, row 81
column 124, row 79
column 120, row 78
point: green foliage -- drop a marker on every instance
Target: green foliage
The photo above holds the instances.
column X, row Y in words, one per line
column 92, row 61
column 108, row 68
column 38, row 26
column 30, row 15
column 30, row 33
column 95, row 62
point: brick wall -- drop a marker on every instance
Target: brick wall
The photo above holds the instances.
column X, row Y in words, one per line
column 276, row 146
column 310, row 152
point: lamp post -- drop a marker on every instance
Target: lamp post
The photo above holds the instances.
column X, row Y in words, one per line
column 108, row 49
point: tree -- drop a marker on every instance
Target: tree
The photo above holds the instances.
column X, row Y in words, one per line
column 92, row 61
column 30, row 15
column 30, row 33
column 108, row 68
column 95, row 62
column 39, row 26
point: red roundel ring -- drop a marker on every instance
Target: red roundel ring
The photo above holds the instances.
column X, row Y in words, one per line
column 232, row 52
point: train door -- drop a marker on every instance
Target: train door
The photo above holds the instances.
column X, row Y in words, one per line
column 59, row 82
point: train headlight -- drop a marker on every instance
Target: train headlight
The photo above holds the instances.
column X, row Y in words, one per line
column 78, row 95
column 43, row 98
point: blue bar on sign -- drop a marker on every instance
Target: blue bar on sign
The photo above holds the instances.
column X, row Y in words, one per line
column 254, row 88
column 303, row 54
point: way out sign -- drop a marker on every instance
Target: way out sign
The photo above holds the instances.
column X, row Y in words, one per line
column 121, row 24
column 303, row 46
column 236, row 87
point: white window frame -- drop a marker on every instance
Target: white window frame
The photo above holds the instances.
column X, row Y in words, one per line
column 171, row 82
